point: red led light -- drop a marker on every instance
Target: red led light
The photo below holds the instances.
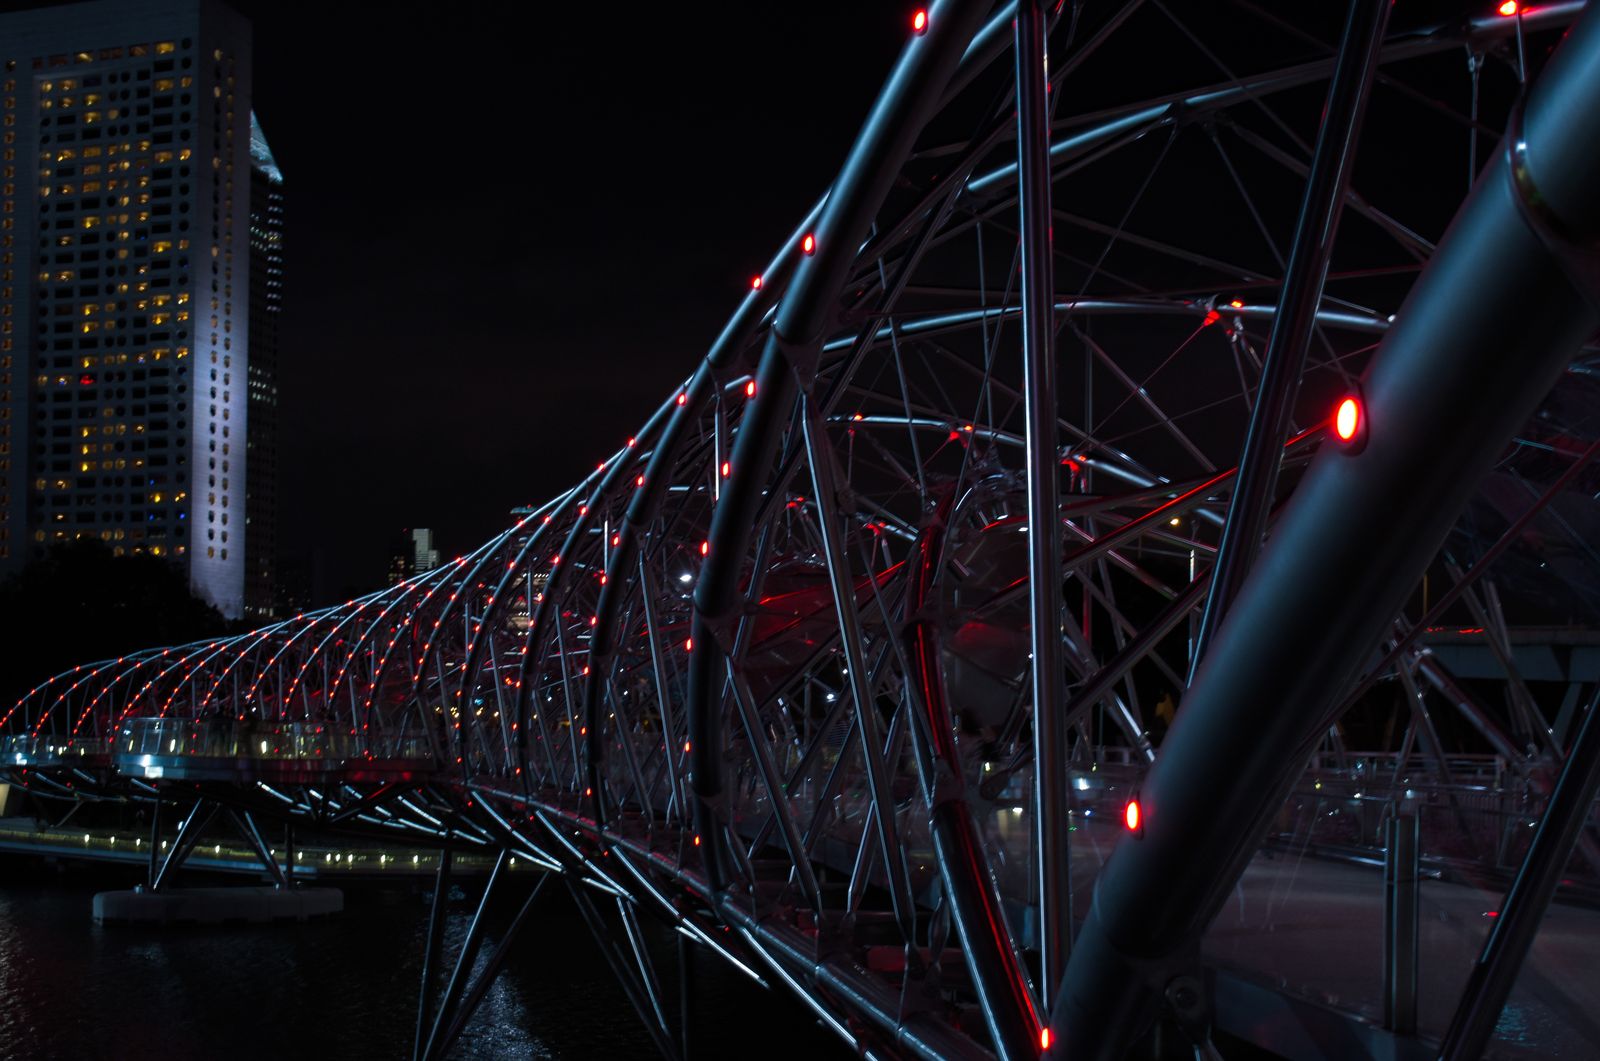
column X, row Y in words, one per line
column 1044, row 1038
column 755, row 283
column 1212, row 317
column 1131, row 816
column 683, row 399
column 1509, row 8
column 750, row 389
column 1236, row 304
column 727, row 469
column 705, row 548
column 688, row 644
column 1347, row 419
column 919, row 22
column 809, row 244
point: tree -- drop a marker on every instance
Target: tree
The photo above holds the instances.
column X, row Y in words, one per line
column 79, row 603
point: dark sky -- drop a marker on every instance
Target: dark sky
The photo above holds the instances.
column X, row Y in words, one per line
column 513, row 228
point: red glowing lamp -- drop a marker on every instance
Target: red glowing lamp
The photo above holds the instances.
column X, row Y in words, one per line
column 919, row 21
column 1509, row 8
column 1347, row 419
column 755, row 283
column 809, row 244
column 1132, row 816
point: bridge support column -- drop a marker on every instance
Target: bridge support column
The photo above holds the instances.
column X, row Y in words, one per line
column 188, row 835
column 155, row 841
column 1490, row 325
column 430, row 956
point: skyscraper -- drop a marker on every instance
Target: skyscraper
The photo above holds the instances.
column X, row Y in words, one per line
column 126, row 284
column 266, row 305
column 413, row 553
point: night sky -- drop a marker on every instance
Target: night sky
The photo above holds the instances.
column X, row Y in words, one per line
column 509, row 237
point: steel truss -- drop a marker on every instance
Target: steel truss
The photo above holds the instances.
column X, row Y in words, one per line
column 802, row 661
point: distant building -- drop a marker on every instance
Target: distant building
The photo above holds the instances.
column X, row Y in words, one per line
column 261, row 557
column 127, row 283
column 528, row 589
column 412, row 554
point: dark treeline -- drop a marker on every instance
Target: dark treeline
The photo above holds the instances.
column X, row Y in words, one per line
column 79, row 603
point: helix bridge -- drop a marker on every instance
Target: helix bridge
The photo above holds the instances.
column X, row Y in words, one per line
column 1122, row 583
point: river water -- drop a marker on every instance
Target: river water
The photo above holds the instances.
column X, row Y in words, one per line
column 343, row 987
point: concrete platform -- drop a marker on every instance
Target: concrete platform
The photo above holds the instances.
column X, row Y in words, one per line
column 215, row 906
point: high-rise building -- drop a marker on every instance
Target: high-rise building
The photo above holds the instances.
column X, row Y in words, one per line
column 412, row 554
column 266, row 306
column 126, row 284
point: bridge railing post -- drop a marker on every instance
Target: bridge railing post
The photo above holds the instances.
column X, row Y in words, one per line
column 1401, row 895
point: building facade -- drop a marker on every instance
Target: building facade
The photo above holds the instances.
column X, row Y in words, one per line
column 261, row 556
column 126, row 284
column 413, row 553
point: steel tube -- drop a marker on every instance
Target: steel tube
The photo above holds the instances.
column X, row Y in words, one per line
column 430, row 954
column 1488, row 328
column 1491, row 980
column 998, row 975
column 1050, row 746
column 1292, row 326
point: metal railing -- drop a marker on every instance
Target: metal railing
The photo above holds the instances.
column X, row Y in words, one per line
column 277, row 741
column 23, row 749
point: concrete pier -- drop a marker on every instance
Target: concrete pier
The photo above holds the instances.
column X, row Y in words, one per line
column 215, row 906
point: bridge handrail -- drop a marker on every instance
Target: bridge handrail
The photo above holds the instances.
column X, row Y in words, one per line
column 277, row 741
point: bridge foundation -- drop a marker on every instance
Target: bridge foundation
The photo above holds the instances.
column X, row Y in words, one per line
column 215, row 906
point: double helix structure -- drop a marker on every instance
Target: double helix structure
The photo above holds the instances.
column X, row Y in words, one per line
column 1122, row 583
